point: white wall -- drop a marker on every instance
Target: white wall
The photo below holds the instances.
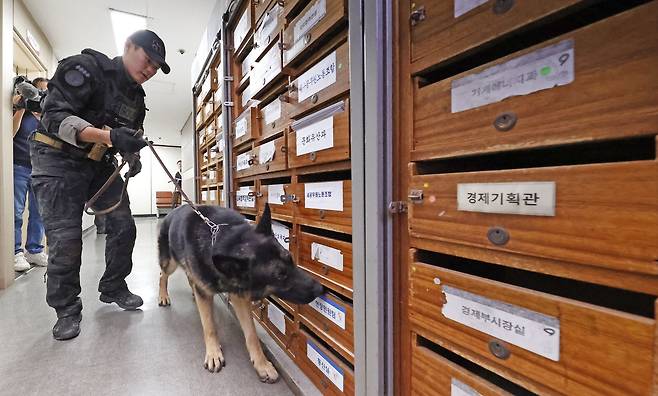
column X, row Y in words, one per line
column 23, row 21
column 152, row 178
column 188, row 152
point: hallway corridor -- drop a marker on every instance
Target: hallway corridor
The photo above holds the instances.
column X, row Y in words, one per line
column 153, row 351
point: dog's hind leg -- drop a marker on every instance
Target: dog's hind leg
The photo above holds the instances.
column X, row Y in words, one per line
column 163, row 299
column 214, row 360
column 266, row 371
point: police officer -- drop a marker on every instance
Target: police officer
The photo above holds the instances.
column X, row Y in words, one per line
column 88, row 92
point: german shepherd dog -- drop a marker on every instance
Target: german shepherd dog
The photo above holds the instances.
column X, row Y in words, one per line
column 245, row 261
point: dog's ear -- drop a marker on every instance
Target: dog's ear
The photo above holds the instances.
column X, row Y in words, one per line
column 265, row 224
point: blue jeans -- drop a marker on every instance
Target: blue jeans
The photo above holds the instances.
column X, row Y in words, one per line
column 35, row 231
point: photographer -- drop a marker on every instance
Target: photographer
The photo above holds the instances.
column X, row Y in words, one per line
column 26, row 119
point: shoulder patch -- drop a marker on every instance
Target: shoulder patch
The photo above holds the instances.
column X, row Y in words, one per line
column 75, row 77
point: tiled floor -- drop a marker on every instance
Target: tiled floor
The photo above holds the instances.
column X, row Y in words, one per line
column 155, row 351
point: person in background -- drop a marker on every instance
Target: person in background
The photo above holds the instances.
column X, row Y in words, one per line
column 25, row 122
column 175, row 198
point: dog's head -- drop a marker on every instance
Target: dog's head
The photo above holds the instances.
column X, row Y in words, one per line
column 258, row 264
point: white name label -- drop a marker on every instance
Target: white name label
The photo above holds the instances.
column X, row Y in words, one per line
column 281, row 234
column 327, row 195
column 545, row 68
column 310, row 19
column 276, row 317
column 530, row 330
column 464, row 6
column 272, row 111
column 274, row 193
column 213, row 195
column 317, row 78
column 243, row 161
column 245, row 198
column 266, row 153
column 458, row 388
column 204, row 195
column 327, row 255
column 330, row 310
column 241, row 128
column 526, row 198
column 326, row 365
column 222, row 196
column 315, row 137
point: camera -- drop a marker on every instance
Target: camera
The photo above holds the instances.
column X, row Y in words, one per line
column 32, row 98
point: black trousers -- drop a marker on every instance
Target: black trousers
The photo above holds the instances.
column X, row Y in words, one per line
column 62, row 185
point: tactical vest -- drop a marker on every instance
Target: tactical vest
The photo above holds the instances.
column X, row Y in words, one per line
column 118, row 108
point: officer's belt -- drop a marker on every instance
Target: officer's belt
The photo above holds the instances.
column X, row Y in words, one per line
column 95, row 153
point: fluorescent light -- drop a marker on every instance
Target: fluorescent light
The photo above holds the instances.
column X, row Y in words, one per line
column 124, row 24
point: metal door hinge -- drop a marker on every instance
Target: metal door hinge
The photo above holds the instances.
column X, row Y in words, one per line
column 415, row 196
column 228, row 78
column 397, row 207
column 418, row 15
column 228, row 104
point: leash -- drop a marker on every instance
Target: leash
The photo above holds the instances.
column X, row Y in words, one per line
column 214, row 228
column 131, row 159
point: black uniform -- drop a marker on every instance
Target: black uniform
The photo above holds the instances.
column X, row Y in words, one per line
column 86, row 89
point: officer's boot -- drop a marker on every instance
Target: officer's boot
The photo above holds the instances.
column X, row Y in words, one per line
column 67, row 327
column 124, row 299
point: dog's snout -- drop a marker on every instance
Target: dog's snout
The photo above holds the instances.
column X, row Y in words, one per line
column 318, row 290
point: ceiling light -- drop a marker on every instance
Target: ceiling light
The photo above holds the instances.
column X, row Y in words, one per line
column 124, row 24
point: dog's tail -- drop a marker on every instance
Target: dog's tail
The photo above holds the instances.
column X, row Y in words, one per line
column 167, row 264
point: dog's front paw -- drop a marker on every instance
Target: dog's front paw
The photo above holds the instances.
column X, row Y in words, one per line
column 266, row 371
column 214, row 360
column 164, row 300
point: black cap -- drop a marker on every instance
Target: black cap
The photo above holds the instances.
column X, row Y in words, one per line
column 153, row 46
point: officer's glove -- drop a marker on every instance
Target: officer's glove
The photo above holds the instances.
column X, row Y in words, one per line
column 126, row 139
column 135, row 168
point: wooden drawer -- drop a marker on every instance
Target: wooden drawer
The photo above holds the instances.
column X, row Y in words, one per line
column 432, row 374
column 325, row 205
column 243, row 28
column 321, row 137
column 605, row 215
column 245, row 164
column 268, row 30
column 246, row 67
column 245, row 199
column 246, row 127
column 266, row 72
column 257, row 309
column 293, row 7
column 212, row 196
column 291, row 308
column 330, row 260
column 323, row 81
column 271, row 156
column 333, row 320
column 268, row 157
column 280, row 207
column 312, row 26
column 450, row 28
column 278, row 323
column 324, row 369
column 260, row 6
column 222, row 197
column 596, row 105
column 274, row 117
column 284, row 234
column 567, row 346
